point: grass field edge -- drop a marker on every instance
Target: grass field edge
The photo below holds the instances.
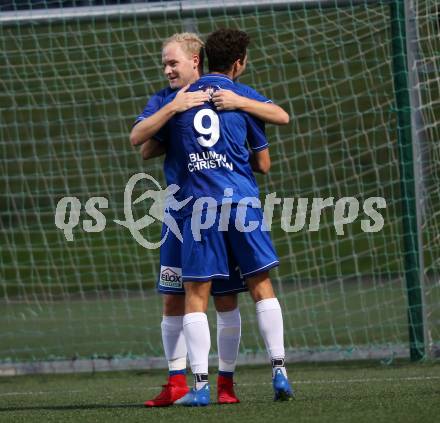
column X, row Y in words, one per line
column 387, row 353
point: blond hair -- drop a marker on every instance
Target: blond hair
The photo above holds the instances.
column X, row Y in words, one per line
column 189, row 41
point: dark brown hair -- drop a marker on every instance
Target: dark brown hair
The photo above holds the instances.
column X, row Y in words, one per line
column 225, row 46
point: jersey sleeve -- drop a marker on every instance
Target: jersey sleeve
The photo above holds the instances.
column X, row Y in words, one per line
column 153, row 105
column 256, row 136
column 161, row 136
column 249, row 92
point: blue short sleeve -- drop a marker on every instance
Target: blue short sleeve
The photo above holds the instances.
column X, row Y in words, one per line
column 156, row 102
column 153, row 105
column 256, row 136
column 163, row 134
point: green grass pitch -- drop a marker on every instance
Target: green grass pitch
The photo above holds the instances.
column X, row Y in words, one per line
column 343, row 392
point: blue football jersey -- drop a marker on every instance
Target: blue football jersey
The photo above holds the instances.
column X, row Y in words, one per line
column 249, row 92
column 207, row 149
column 155, row 103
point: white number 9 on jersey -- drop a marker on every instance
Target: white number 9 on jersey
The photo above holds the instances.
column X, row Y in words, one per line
column 212, row 132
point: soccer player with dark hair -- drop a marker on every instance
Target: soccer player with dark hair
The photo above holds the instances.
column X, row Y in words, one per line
column 182, row 57
column 207, row 148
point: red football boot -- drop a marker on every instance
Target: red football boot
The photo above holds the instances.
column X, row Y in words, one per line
column 225, row 391
column 175, row 389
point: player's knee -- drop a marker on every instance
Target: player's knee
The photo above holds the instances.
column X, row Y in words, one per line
column 196, row 296
column 173, row 305
column 260, row 287
column 226, row 303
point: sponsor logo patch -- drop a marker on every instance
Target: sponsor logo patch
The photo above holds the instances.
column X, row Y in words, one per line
column 170, row 277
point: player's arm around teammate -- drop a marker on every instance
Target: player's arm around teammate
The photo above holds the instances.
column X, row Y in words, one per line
column 266, row 111
column 223, row 100
column 149, row 127
column 180, row 71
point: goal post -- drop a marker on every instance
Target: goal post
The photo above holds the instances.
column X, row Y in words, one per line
column 361, row 81
column 411, row 224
